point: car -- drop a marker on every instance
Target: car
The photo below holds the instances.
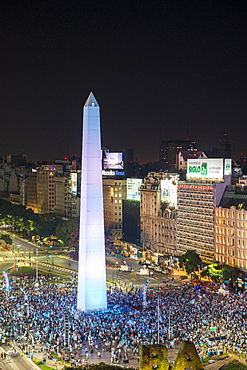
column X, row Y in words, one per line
column 183, row 277
column 158, row 269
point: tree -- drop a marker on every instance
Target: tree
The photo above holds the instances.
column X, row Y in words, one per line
column 191, row 261
column 229, row 273
column 219, row 274
column 74, row 239
column 65, row 229
column 213, row 271
column 6, row 238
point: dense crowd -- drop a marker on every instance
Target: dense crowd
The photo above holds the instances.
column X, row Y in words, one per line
column 35, row 316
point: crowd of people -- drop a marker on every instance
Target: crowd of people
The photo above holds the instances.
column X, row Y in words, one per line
column 32, row 315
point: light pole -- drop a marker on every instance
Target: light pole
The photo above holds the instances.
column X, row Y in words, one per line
column 51, row 255
column 29, row 254
column 169, row 327
column 37, row 266
column 158, row 320
column 26, row 297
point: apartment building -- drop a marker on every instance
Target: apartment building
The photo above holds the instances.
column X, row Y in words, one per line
column 114, row 192
column 231, row 226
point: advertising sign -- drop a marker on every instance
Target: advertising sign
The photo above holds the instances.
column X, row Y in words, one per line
column 113, row 161
column 168, row 190
column 108, row 173
column 133, row 189
column 206, row 168
column 228, row 167
column 74, row 183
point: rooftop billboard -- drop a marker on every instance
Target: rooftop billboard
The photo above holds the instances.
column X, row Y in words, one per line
column 228, row 167
column 206, row 168
column 113, row 161
column 133, row 189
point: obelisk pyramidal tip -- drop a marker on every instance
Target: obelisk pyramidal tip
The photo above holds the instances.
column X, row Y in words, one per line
column 91, row 266
column 91, row 101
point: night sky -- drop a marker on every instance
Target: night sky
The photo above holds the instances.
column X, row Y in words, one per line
column 158, row 69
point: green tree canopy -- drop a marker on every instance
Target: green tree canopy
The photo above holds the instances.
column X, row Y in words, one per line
column 217, row 273
column 65, row 229
column 6, row 238
column 213, row 271
column 191, row 261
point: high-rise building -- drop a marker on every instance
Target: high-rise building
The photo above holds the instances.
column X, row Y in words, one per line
column 197, row 198
column 91, row 264
column 169, row 151
column 225, row 147
column 114, row 192
column 45, row 189
column 62, row 196
column 32, row 191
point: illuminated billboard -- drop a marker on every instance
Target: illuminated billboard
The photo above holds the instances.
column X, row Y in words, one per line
column 228, row 167
column 206, row 168
column 133, row 189
column 168, row 190
column 74, row 183
column 113, row 161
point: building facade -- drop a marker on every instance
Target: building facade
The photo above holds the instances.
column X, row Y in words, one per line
column 131, row 221
column 158, row 221
column 114, row 192
column 231, row 226
column 195, row 220
column 231, row 236
column 45, row 190
column 32, row 191
column 197, row 198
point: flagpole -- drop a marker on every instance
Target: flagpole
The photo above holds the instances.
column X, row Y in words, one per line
column 158, row 322
column 169, row 329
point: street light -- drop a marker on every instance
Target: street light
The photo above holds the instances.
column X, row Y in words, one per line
column 26, row 297
column 51, row 256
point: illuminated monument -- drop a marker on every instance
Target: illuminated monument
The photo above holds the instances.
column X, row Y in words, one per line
column 91, row 266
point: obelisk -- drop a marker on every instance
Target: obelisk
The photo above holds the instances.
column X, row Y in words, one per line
column 91, row 265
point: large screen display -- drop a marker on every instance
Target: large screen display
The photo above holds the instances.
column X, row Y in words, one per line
column 113, row 161
column 228, row 166
column 74, row 183
column 133, row 189
column 206, row 168
column 168, row 190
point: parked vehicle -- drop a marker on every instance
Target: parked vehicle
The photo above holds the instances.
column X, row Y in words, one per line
column 183, row 277
column 125, row 268
column 143, row 271
column 158, row 269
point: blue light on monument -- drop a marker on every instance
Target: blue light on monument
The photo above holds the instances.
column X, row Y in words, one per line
column 91, row 265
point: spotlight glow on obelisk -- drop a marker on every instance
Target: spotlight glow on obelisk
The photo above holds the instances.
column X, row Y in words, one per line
column 91, row 265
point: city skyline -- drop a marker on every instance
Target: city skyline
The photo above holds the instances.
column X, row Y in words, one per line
column 160, row 71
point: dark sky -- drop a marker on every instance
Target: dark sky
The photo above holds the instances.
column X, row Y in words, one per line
column 155, row 67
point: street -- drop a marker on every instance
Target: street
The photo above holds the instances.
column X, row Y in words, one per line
column 58, row 260
column 15, row 363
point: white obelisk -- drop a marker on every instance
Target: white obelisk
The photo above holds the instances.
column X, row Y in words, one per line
column 91, row 265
